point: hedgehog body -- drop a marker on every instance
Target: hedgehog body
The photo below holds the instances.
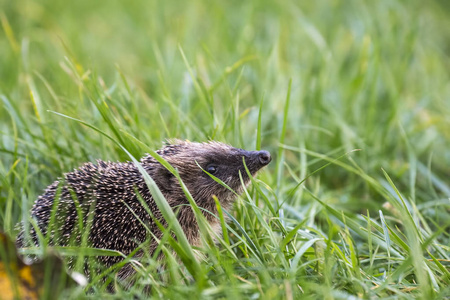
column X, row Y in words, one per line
column 105, row 196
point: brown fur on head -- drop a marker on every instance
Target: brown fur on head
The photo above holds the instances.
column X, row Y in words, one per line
column 220, row 160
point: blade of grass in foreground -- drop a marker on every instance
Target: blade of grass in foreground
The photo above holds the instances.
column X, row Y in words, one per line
column 258, row 130
column 280, row 160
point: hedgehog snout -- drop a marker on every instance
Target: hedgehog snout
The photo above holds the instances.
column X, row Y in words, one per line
column 259, row 159
column 264, row 157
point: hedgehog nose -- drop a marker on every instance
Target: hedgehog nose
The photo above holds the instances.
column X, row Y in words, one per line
column 264, row 157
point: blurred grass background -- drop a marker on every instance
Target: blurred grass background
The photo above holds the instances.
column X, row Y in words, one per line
column 365, row 75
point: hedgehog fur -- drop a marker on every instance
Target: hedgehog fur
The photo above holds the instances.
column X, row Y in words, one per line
column 106, row 195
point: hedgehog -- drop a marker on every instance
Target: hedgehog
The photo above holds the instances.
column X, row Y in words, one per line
column 108, row 197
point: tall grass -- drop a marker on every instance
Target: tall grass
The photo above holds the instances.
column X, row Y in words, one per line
column 351, row 98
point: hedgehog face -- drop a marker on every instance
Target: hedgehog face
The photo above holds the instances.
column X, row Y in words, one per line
column 221, row 160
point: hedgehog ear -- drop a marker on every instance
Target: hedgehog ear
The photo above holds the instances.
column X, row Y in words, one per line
column 164, row 178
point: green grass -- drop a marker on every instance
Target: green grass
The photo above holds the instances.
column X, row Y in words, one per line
column 310, row 81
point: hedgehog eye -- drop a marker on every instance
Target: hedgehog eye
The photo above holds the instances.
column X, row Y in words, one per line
column 211, row 169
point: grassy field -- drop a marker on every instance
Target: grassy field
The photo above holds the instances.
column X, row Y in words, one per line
column 352, row 98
